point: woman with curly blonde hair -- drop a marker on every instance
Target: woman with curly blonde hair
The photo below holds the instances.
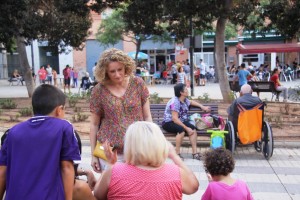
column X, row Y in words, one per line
column 118, row 100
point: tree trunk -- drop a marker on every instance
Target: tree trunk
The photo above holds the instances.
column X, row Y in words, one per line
column 25, row 65
column 220, row 59
column 138, row 48
column 215, row 61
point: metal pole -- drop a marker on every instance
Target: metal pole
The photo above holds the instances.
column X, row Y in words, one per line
column 192, row 56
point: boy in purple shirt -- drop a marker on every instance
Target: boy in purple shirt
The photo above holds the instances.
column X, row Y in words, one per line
column 36, row 159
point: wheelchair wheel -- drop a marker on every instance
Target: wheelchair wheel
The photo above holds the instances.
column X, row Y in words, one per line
column 267, row 141
column 230, row 137
column 257, row 146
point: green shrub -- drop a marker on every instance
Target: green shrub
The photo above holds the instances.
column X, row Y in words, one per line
column 73, row 100
column 25, row 112
column 7, row 104
column 155, row 99
column 14, row 118
column 204, row 98
column 79, row 117
column 77, row 109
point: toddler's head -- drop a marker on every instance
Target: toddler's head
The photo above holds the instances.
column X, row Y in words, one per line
column 218, row 161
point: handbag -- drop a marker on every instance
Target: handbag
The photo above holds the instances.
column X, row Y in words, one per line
column 206, row 121
column 99, row 151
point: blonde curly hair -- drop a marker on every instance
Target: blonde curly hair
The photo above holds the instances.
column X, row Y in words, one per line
column 113, row 55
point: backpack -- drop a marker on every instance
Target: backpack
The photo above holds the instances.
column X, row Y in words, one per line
column 217, row 138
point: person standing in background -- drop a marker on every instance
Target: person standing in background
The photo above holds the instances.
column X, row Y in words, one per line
column 75, row 77
column 202, row 68
column 181, row 78
column 242, row 75
column 42, row 75
column 49, row 74
column 187, row 70
column 66, row 73
column 54, row 73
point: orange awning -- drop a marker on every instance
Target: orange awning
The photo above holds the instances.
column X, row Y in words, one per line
column 268, row 48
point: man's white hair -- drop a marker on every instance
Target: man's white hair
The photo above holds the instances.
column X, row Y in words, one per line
column 246, row 89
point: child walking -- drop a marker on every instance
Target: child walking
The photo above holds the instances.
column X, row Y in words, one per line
column 36, row 159
column 219, row 163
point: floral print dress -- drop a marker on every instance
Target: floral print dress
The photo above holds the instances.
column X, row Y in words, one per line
column 117, row 113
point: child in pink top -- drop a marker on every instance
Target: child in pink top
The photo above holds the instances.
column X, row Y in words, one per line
column 219, row 163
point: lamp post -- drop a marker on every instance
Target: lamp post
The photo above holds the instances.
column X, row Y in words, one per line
column 192, row 56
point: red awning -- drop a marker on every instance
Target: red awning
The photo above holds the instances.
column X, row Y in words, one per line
column 268, row 48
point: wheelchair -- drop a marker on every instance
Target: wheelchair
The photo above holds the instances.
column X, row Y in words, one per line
column 265, row 141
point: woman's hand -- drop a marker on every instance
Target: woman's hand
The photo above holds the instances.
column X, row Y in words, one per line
column 109, row 153
column 189, row 131
column 206, row 108
column 96, row 165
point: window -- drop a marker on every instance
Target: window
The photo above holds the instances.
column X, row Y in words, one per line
column 250, row 58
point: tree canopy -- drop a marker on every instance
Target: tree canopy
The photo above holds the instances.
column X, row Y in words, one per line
column 61, row 22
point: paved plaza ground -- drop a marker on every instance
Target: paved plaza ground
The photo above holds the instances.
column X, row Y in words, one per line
column 276, row 179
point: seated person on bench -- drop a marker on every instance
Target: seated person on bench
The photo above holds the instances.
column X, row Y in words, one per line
column 16, row 76
column 86, row 82
column 246, row 100
column 176, row 119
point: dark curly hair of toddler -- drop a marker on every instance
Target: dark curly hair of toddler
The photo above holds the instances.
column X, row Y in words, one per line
column 218, row 161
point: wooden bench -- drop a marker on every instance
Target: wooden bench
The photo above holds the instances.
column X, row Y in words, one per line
column 257, row 86
column 158, row 110
column 12, row 80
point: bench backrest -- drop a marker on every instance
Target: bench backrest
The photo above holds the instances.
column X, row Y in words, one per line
column 234, row 87
column 257, row 86
column 262, row 86
column 158, row 110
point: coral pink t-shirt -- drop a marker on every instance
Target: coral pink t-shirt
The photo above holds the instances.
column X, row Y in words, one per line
column 131, row 182
column 220, row 191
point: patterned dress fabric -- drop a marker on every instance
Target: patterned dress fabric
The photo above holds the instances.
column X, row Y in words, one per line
column 117, row 113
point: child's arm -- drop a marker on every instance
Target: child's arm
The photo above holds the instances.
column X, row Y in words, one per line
column 68, row 176
column 2, row 180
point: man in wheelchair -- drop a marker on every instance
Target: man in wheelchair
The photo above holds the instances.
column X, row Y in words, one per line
column 246, row 100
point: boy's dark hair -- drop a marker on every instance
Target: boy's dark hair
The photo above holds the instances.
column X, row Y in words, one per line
column 218, row 161
column 243, row 65
column 46, row 98
column 179, row 88
column 252, row 72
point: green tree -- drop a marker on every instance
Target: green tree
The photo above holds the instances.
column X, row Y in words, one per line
column 284, row 16
column 134, row 22
column 62, row 23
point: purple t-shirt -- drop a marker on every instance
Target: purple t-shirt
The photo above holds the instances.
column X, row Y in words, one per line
column 219, row 191
column 176, row 105
column 32, row 152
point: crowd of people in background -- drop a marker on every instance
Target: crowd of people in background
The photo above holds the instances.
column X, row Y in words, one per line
column 245, row 73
